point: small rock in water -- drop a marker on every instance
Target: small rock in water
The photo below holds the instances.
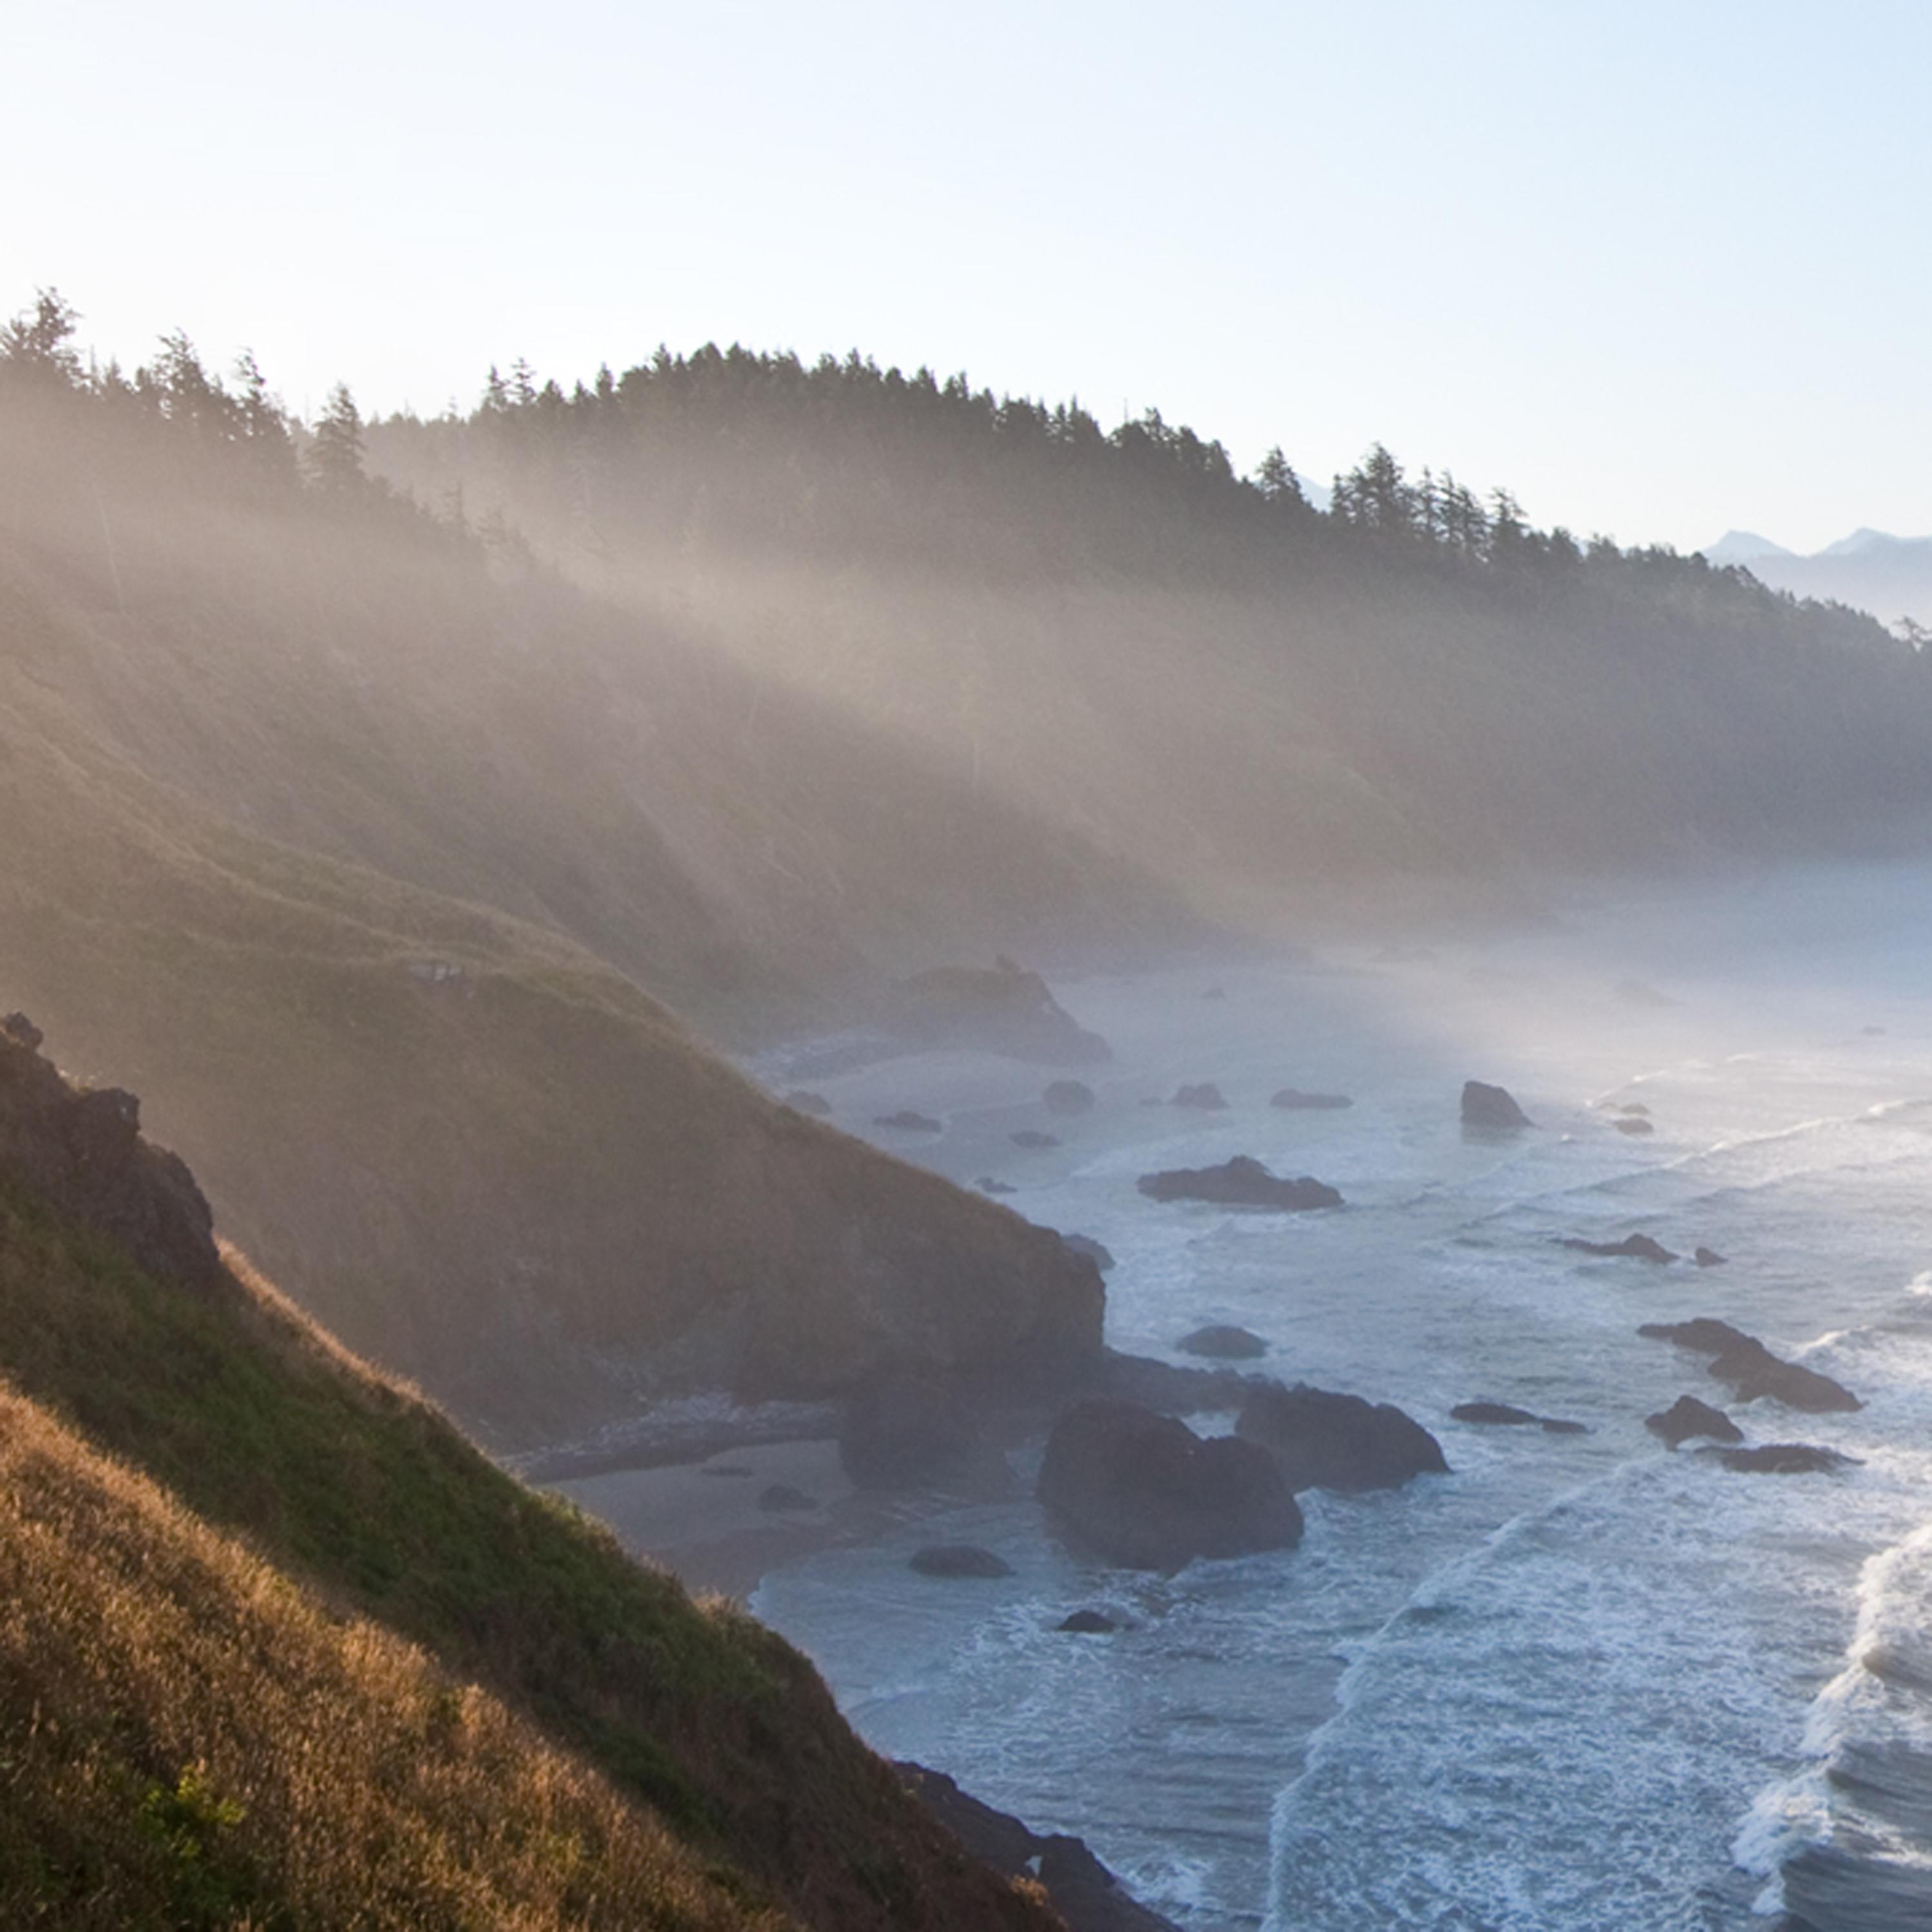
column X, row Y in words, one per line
column 1492, row 1415
column 1032, row 1137
column 1088, row 1623
column 802, row 1100
column 1491, row 1109
column 1635, row 1107
column 1708, row 1258
column 910, row 1122
column 1222, row 1342
column 1635, row 1247
column 986, row 1184
column 1635, row 1123
column 1243, row 1182
column 1069, row 1097
column 781, row 1496
column 959, row 1559
column 1787, row 1458
column 1686, row 1417
column 1557, row 1425
column 1204, row 1094
column 1293, row 1098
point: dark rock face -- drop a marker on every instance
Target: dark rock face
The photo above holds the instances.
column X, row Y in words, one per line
column 1688, row 1418
column 1001, row 1009
column 1069, row 1097
column 1322, row 1441
column 905, row 1431
column 802, row 1100
column 1222, row 1343
column 1088, row 1623
column 84, row 1152
column 909, row 1122
column 1173, row 1389
column 1243, row 1182
column 1491, row 1109
column 782, row 1498
column 1032, row 1137
column 1095, row 1252
column 1145, row 1491
column 1635, row 1247
column 1494, row 1414
column 959, row 1559
column 1293, row 1097
column 1787, row 1458
column 1085, row 1894
column 1708, row 1258
column 1752, row 1369
column 1205, row 1095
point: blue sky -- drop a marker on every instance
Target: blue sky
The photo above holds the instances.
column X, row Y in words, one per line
column 1661, row 270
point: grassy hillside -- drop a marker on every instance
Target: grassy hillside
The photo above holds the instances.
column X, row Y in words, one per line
column 179, row 1675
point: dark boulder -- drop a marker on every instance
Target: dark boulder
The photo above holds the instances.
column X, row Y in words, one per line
column 905, row 1432
column 782, row 1498
column 1787, row 1458
column 1633, row 1247
column 1222, row 1343
column 1494, row 1414
column 958, row 1559
column 1069, row 1097
column 1032, row 1137
column 1708, row 1258
column 802, row 1100
column 1491, row 1109
column 1243, row 1182
column 1094, row 1251
column 1557, row 1425
column 1752, row 1369
column 1322, row 1441
column 1144, row 1490
column 909, row 1122
column 1688, row 1418
column 1204, row 1094
column 1293, row 1099
column 1088, row 1623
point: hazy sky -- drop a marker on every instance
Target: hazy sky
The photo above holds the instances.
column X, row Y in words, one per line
column 1662, row 269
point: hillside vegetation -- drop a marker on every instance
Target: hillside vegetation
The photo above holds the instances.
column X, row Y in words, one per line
column 289, row 1661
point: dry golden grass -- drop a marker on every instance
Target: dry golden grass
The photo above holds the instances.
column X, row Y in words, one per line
column 186, row 1738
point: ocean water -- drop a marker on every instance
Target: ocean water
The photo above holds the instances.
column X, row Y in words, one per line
column 1581, row 1682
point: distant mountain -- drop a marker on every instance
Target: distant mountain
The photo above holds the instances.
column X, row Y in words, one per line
column 1869, row 570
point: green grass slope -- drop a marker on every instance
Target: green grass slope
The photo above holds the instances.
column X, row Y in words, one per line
column 188, row 1672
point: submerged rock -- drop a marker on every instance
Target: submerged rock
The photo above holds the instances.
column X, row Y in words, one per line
column 1491, row 1109
column 1243, row 1182
column 1293, row 1098
column 958, row 1559
column 803, row 1100
column 1095, row 1252
column 1145, row 1491
column 1069, row 1097
column 1788, row 1459
column 1320, row 1440
column 1497, row 1414
column 1686, row 1417
column 1222, row 1343
column 1088, row 1623
column 1633, row 1247
column 1751, row 1369
column 1032, row 1137
column 1204, row 1094
column 987, row 1184
column 909, row 1122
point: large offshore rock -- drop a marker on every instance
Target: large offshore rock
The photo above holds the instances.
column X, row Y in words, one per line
column 1320, row 1440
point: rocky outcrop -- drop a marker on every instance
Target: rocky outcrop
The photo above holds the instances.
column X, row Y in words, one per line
column 1069, row 1097
column 1203, row 1095
column 1708, row 1258
column 1320, row 1440
column 1222, row 1342
column 958, row 1559
column 1084, row 1893
column 1687, row 1418
column 1788, row 1459
column 1296, row 1101
column 1633, row 1247
column 1144, row 1491
column 1001, row 1009
column 1243, row 1182
column 1751, row 1369
column 1491, row 1110
column 1504, row 1415
column 84, row 1152
column 1094, row 1251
